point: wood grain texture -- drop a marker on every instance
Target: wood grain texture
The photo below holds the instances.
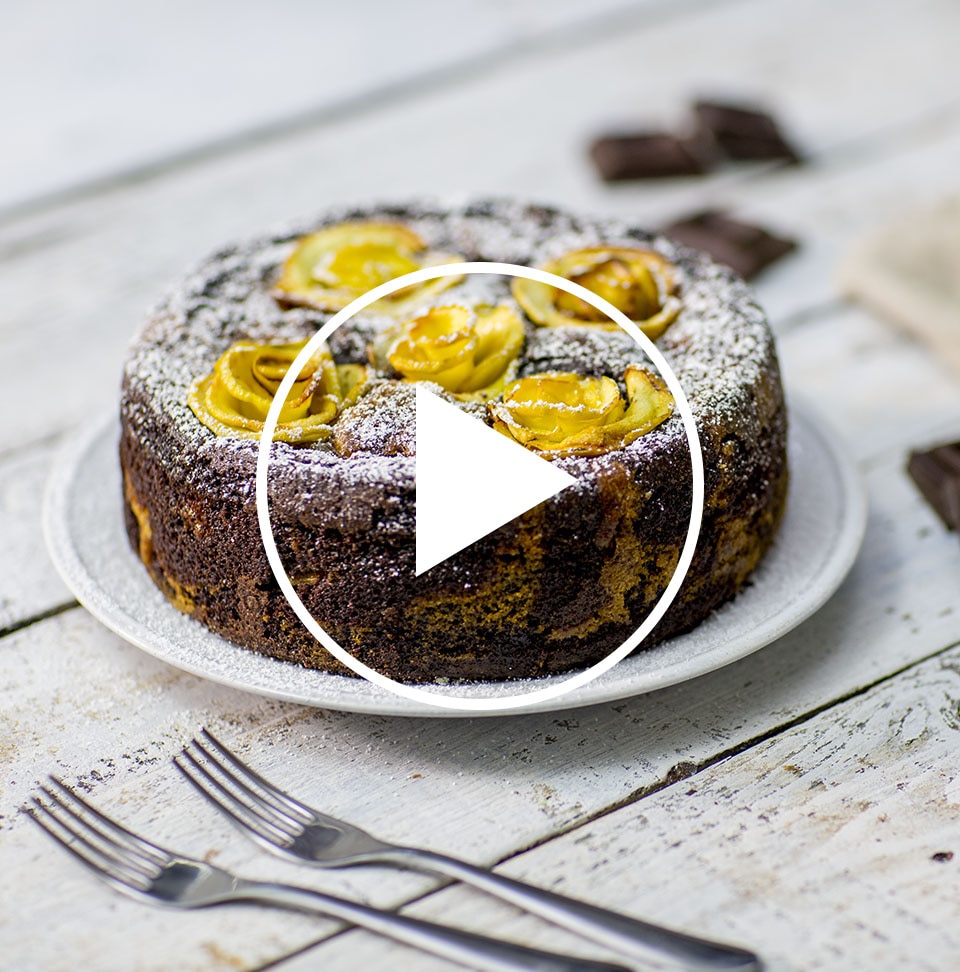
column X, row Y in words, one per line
column 833, row 846
column 29, row 585
column 96, row 91
column 881, row 390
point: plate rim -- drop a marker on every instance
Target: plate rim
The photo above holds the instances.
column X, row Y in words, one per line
column 365, row 698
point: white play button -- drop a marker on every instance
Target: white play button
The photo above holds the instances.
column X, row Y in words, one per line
column 470, row 480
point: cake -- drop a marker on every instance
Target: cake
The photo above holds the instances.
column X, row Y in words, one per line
column 555, row 589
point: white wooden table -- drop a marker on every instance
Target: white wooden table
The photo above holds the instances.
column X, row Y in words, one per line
column 804, row 801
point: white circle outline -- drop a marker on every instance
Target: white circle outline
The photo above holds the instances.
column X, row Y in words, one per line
column 574, row 681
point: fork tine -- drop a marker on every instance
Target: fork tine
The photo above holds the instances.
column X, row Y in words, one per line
column 116, row 872
column 104, row 844
column 300, row 810
column 157, row 855
column 248, row 817
column 275, row 813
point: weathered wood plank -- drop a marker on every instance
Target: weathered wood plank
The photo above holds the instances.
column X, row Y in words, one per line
column 878, row 387
column 93, row 92
column 831, row 847
column 29, row 585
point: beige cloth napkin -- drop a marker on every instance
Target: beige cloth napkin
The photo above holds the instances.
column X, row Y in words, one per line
column 910, row 272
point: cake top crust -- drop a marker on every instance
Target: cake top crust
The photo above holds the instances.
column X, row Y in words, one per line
column 719, row 347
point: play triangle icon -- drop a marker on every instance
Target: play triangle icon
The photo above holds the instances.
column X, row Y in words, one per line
column 470, row 480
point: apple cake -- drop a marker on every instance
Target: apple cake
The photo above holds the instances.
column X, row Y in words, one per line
column 555, row 589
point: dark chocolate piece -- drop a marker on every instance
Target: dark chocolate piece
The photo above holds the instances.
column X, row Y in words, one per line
column 937, row 475
column 744, row 133
column 650, row 155
column 743, row 247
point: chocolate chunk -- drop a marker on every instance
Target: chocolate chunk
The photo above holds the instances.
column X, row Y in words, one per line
column 937, row 475
column 744, row 133
column 649, row 155
column 743, row 247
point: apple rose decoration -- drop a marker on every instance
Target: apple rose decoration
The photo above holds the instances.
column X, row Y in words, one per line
column 330, row 268
column 640, row 283
column 233, row 400
column 470, row 353
column 563, row 414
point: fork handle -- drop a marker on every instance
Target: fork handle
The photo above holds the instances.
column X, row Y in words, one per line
column 631, row 936
column 474, row 951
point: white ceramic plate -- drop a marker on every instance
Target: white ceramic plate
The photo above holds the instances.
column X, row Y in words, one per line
column 815, row 548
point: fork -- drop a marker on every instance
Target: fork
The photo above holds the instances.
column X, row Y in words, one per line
column 293, row 830
column 143, row 870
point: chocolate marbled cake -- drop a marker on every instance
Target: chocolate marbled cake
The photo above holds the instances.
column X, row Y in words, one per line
column 557, row 588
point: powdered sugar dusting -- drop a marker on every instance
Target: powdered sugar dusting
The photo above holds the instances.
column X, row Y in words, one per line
column 719, row 347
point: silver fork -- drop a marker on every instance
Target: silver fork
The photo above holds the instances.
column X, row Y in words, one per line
column 143, row 870
column 291, row 829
